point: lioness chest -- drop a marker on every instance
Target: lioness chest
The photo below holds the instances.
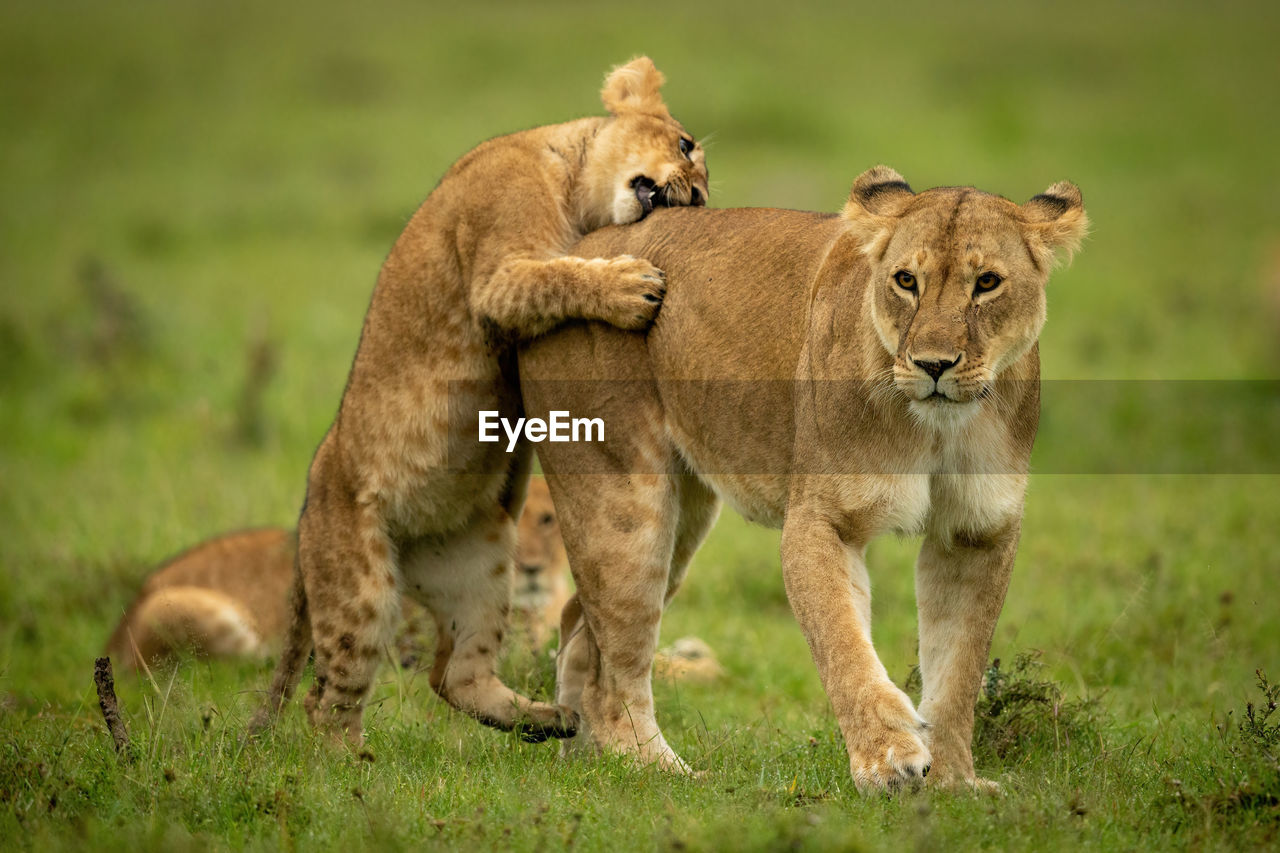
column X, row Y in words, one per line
column 962, row 480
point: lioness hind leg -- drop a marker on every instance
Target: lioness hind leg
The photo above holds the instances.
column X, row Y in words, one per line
column 573, row 665
column 348, row 571
column 620, row 551
column 699, row 509
column 465, row 582
column 960, row 588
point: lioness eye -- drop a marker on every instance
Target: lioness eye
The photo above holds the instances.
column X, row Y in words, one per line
column 686, row 145
column 547, row 519
column 905, row 280
column 987, row 281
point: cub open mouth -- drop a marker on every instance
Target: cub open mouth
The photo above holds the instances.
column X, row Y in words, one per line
column 648, row 193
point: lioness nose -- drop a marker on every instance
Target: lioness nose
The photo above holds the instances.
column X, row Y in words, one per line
column 935, row 368
column 696, row 198
column 530, row 569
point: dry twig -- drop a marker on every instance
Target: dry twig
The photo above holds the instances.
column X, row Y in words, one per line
column 106, row 684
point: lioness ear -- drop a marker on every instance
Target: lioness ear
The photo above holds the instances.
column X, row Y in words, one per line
column 635, row 87
column 1055, row 221
column 879, row 196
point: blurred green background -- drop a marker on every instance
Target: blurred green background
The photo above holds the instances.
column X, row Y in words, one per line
column 197, row 198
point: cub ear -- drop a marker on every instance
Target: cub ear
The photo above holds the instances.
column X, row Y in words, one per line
column 635, row 87
column 879, row 196
column 1055, row 220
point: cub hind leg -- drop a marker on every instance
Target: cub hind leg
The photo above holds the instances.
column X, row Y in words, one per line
column 464, row 580
column 348, row 567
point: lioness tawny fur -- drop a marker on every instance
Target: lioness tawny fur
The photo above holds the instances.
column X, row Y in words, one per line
column 838, row 376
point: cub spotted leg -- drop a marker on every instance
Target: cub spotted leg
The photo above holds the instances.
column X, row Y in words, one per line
column 465, row 582
column 960, row 589
column 830, row 594
column 347, row 567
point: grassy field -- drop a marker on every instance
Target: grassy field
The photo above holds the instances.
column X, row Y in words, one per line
column 190, row 190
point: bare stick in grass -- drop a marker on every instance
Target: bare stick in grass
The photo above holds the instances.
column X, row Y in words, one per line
column 106, row 684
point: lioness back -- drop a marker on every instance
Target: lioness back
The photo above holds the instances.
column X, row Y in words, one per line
column 744, row 295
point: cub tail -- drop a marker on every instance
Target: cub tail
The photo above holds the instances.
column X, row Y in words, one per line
column 293, row 657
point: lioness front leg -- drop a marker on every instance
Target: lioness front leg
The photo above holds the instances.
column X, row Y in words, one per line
column 960, row 589
column 829, row 592
column 528, row 296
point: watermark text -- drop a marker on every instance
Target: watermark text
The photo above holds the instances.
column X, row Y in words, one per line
column 560, row 426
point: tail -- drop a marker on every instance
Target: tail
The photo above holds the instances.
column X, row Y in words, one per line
column 183, row 618
column 297, row 646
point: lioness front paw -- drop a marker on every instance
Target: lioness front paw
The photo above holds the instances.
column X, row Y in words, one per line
column 634, row 292
column 887, row 749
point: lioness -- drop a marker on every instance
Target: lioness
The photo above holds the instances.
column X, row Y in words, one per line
column 393, row 504
column 838, row 376
column 228, row 597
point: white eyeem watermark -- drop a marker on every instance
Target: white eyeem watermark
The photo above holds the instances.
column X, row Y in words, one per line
column 559, row 427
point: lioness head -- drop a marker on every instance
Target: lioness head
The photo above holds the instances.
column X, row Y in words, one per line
column 542, row 566
column 957, row 287
column 642, row 158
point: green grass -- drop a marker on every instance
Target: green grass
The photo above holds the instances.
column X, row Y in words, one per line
column 181, row 182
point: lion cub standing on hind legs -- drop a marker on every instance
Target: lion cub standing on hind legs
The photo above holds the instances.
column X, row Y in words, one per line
column 400, row 496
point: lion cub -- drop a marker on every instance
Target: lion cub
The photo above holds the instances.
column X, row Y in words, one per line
column 401, row 498
column 228, row 597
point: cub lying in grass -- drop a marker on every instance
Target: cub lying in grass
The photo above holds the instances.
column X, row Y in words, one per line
column 838, row 376
column 229, row 596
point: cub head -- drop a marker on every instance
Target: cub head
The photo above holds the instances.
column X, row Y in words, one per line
column 542, row 566
column 641, row 158
column 957, row 286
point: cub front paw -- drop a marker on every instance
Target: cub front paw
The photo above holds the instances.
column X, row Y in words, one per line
column 886, row 745
column 544, row 721
column 633, row 292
